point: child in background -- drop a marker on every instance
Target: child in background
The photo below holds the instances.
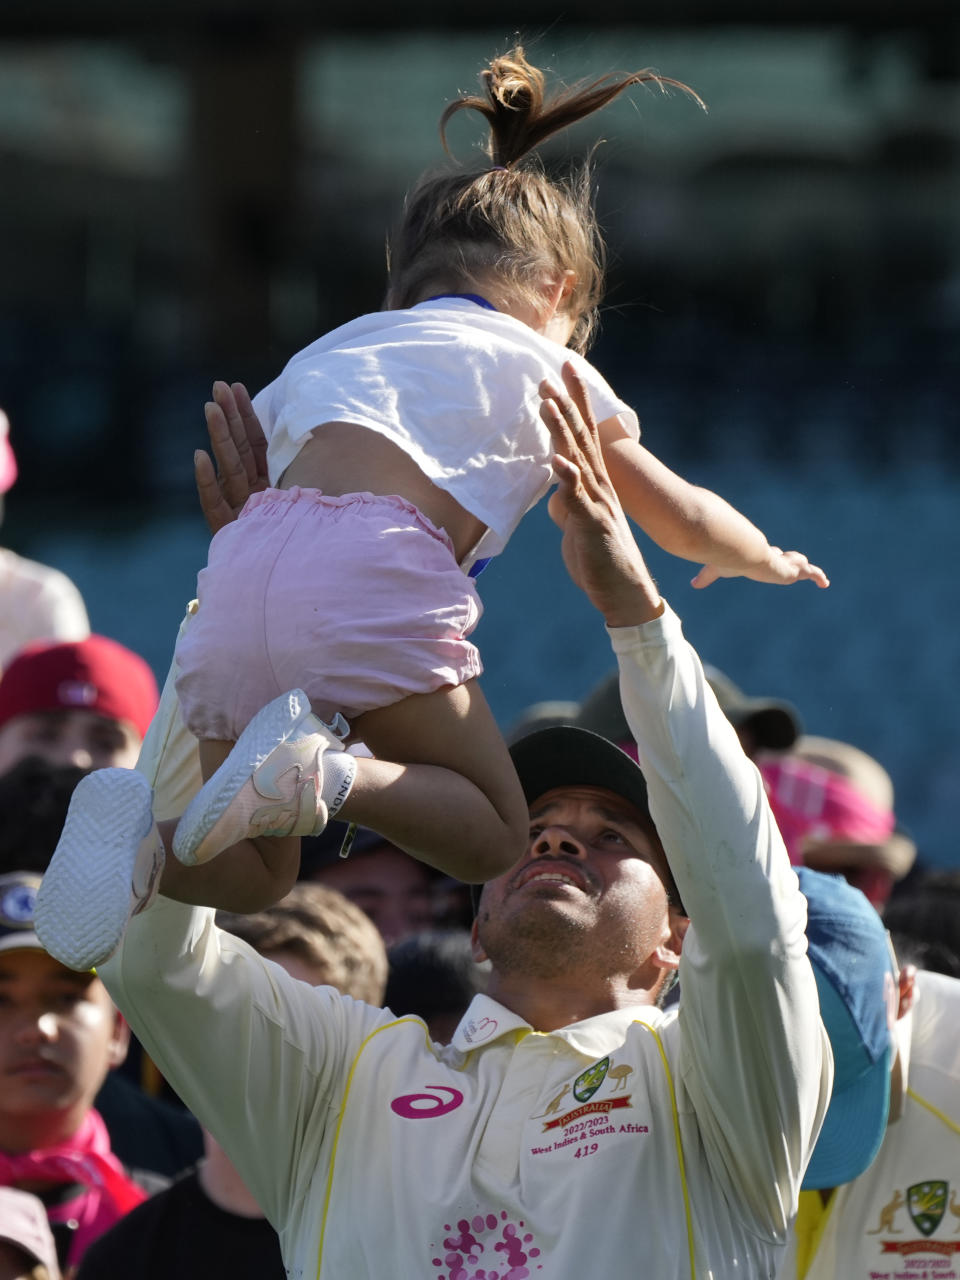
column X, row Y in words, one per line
column 60, row 1034
column 404, row 448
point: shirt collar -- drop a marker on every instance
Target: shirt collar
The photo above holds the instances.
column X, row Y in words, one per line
column 486, row 1021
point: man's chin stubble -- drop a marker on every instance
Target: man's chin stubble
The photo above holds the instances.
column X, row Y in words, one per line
column 541, row 945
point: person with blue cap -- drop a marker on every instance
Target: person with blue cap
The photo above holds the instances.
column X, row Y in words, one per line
column 881, row 1195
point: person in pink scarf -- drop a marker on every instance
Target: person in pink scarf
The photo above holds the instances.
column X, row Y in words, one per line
column 59, row 1035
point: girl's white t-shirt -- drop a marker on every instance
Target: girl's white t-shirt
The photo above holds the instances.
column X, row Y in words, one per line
column 452, row 383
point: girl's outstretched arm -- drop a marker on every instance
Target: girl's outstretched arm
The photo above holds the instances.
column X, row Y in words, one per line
column 696, row 523
column 686, row 520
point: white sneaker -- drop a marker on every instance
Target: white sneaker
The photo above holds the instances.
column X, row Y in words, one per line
column 106, row 868
column 277, row 781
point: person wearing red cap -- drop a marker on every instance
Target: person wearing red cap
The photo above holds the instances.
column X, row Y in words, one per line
column 87, row 703
column 36, row 601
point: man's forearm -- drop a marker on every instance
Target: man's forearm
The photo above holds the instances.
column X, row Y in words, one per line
column 748, row 992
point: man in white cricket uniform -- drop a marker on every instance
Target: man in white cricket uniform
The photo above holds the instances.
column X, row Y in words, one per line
column 572, row 1128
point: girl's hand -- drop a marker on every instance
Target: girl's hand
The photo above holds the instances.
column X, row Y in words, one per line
column 781, row 569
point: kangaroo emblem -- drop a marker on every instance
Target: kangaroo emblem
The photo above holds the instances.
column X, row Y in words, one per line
column 886, row 1215
column 553, row 1106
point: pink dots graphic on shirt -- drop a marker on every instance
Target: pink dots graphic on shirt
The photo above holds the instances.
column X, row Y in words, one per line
column 509, row 1252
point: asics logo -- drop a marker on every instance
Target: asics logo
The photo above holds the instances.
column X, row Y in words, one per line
column 427, row 1106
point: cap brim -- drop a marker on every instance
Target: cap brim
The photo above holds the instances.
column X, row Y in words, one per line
column 567, row 756
column 856, row 1118
column 896, row 854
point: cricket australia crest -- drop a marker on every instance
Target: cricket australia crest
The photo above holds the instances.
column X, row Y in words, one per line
column 927, row 1202
column 589, row 1081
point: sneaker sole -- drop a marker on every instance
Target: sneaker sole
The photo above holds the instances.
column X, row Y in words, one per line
column 86, row 896
column 265, row 732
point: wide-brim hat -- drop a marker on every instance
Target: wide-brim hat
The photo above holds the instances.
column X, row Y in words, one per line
column 774, row 723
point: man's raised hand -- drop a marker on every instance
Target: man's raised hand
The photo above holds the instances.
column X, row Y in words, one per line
column 240, row 449
column 598, row 547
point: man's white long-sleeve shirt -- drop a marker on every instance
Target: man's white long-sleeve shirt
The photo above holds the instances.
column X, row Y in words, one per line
column 640, row 1142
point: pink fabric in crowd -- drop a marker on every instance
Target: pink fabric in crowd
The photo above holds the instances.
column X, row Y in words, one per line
column 811, row 803
column 87, row 1160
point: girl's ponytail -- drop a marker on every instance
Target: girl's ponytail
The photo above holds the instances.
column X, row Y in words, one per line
column 519, row 114
column 510, row 225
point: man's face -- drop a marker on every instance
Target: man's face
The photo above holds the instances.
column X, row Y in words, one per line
column 80, row 738
column 389, row 886
column 586, row 893
column 59, row 1035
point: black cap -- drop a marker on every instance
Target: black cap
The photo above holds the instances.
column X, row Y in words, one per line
column 567, row 756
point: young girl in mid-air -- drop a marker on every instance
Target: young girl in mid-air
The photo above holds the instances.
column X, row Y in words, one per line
column 404, row 449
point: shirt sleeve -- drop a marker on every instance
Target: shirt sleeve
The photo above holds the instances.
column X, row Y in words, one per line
column 257, row 1056
column 604, row 400
column 753, row 1059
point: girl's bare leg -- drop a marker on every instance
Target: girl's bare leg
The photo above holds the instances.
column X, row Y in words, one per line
column 441, row 786
column 249, row 876
column 455, row 802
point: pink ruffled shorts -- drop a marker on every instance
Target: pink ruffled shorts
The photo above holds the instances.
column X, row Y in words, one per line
column 358, row 600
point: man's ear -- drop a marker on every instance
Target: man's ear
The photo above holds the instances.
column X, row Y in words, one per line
column 667, row 954
column 479, row 954
column 120, row 1040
